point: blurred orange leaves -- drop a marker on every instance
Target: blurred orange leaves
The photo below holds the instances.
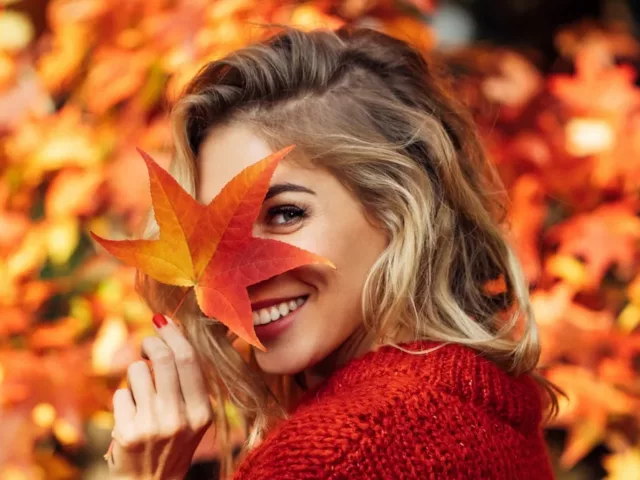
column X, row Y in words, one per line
column 76, row 100
column 567, row 149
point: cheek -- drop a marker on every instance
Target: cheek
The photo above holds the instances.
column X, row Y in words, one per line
column 353, row 246
column 354, row 264
column 345, row 237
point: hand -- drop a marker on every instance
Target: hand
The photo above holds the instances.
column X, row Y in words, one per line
column 158, row 427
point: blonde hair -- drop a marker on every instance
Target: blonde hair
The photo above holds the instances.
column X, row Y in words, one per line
column 371, row 110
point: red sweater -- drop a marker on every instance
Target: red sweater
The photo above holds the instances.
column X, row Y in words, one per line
column 451, row 414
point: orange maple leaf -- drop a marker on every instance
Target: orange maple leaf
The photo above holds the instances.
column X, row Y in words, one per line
column 586, row 411
column 210, row 247
column 599, row 86
column 605, row 237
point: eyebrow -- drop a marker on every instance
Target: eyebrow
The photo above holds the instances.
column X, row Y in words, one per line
column 279, row 188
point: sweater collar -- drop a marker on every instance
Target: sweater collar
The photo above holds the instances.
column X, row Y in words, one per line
column 454, row 369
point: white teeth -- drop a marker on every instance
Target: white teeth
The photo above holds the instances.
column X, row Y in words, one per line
column 269, row 314
column 264, row 316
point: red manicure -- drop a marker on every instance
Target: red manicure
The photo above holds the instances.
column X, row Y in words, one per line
column 159, row 320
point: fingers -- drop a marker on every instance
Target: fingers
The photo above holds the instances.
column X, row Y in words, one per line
column 124, row 410
column 141, row 385
column 154, row 421
column 190, row 378
column 165, row 373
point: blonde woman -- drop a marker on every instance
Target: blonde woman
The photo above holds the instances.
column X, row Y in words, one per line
column 407, row 361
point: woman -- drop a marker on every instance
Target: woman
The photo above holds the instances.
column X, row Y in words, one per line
column 415, row 357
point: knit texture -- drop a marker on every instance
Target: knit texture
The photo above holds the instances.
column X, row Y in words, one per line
column 450, row 414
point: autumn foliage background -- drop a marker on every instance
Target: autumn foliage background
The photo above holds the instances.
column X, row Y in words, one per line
column 78, row 96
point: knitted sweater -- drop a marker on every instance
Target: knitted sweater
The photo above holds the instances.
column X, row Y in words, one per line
column 450, row 414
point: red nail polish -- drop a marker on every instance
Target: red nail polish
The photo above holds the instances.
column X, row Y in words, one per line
column 159, row 320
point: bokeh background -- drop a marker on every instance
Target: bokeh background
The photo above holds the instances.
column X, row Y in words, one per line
column 552, row 83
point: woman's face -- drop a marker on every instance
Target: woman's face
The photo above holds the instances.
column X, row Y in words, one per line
column 306, row 207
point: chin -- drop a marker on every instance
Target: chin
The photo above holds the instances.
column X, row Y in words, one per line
column 285, row 358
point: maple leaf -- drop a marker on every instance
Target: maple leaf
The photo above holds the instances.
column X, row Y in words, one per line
column 515, row 84
column 586, row 410
column 605, row 237
column 568, row 330
column 85, row 200
column 118, row 74
column 599, row 85
column 210, row 247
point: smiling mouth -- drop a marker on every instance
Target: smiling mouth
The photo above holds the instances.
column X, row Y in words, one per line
column 263, row 316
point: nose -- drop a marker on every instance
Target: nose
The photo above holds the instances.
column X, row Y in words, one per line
column 256, row 230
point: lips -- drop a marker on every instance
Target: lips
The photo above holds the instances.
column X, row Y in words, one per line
column 271, row 322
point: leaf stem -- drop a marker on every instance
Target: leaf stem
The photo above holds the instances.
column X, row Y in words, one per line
column 173, row 315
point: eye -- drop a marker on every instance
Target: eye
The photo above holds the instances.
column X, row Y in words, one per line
column 285, row 215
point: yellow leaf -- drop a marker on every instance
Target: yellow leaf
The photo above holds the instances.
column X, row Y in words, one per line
column 589, row 136
column 8, row 286
column 43, row 415
column 16, row 31
column 110, row 291
column 70, row 149
column 83, row 183
column 14, row 472
column 80, row 308
column 135, row 311
column 62, row 139
column 568, row 268
column 58, row 66
column 623, row 466
column 7, row 70
column 111, row 337
column 62, row 239
column 102, row 419
column 583, row 437
column 29, row 256
column 66, row 432
column 629, row 318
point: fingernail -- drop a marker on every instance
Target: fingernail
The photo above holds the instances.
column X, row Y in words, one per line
column 159, row 320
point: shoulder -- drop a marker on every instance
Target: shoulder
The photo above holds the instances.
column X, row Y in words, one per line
column 330, row 434
column 400, row 418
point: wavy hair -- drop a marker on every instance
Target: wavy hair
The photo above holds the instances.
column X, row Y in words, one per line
column 381, row 118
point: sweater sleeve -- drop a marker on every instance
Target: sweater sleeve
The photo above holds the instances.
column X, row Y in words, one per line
column 422, row 434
